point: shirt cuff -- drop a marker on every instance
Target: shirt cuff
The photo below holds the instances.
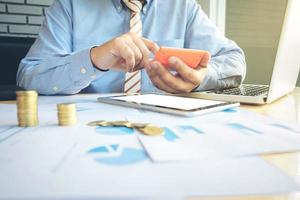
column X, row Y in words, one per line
column 210, row 80
column 82, row 69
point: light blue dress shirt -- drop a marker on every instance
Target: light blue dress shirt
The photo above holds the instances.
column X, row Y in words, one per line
column 59, row 60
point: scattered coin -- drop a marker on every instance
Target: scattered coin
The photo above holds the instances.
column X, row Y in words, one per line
column 99, row 123
column 144, row 128
column 152, row 130
column 121, row 123
column 140, row 125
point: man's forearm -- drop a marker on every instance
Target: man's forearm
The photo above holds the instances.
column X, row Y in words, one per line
column 65, row 74
column 225, row 71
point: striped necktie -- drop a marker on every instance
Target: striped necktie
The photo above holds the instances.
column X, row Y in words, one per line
column 133, row 80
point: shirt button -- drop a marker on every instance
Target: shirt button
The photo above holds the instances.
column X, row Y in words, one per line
column 119, row 8
column 55, row 88
column 83, row 70
column 93, row 76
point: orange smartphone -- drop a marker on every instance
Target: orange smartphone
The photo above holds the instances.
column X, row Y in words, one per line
column 190, row 57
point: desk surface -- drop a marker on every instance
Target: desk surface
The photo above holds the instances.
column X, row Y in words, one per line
column 286, row 109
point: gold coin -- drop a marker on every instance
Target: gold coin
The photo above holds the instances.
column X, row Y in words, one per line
column 67, row 123
column 27, row 97
column 28, row 114
column 23, row 117
column 140, row 125
column 28, row 121
column 66, row 115
column 152, row 130
column 121, row 123
column 27, row 93
column 98, row 123
column 32, row 103
column 67, row 112
column 71, row 111
column 28, row 124
column 27, row 107
column 66, row 106
column 66, row 119
column 29, row 102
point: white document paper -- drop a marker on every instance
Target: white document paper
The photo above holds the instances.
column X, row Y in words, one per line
column 232, row 133
column 92, row 163
column 229, row 133
column 48, row 161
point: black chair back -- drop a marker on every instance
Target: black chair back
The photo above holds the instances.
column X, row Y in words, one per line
column 12, row 50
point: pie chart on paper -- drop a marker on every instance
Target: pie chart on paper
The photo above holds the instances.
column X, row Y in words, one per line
column 116, row 155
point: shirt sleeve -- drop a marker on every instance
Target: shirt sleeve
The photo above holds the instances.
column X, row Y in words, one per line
column 51, row 66
column 227, row 67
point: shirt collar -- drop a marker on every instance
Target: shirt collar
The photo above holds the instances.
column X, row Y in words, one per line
column 119, row 6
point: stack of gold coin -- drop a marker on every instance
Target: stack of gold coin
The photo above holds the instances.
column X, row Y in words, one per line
column 27, row 105
column 66, row 114
column 144, row 128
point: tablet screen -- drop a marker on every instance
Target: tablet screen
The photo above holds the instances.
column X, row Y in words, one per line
column 175, row 102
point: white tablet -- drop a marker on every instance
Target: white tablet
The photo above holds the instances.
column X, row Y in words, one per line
column 168, row 104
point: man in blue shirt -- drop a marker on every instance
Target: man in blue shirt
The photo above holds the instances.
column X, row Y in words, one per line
column 85, row 45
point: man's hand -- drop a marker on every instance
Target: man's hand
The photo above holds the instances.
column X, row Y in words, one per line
column 183, row 81
column 128, row 52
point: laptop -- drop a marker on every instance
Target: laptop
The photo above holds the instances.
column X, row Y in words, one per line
column 285, row 70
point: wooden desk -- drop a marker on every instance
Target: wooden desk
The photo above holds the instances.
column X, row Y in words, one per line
column 286, row 109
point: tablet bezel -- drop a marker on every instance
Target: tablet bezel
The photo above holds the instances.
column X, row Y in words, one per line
column 164, row 109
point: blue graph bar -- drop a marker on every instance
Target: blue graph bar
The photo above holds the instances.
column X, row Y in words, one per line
column 101, row 149
column 114, row 130
column 230, row 110
column 128, row 156
column 114, row 147
column 243, row 128
column 187, row 128
column 285, row 128
column 170, row 135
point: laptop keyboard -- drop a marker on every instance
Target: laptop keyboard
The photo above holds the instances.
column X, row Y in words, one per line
column 245, row 90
